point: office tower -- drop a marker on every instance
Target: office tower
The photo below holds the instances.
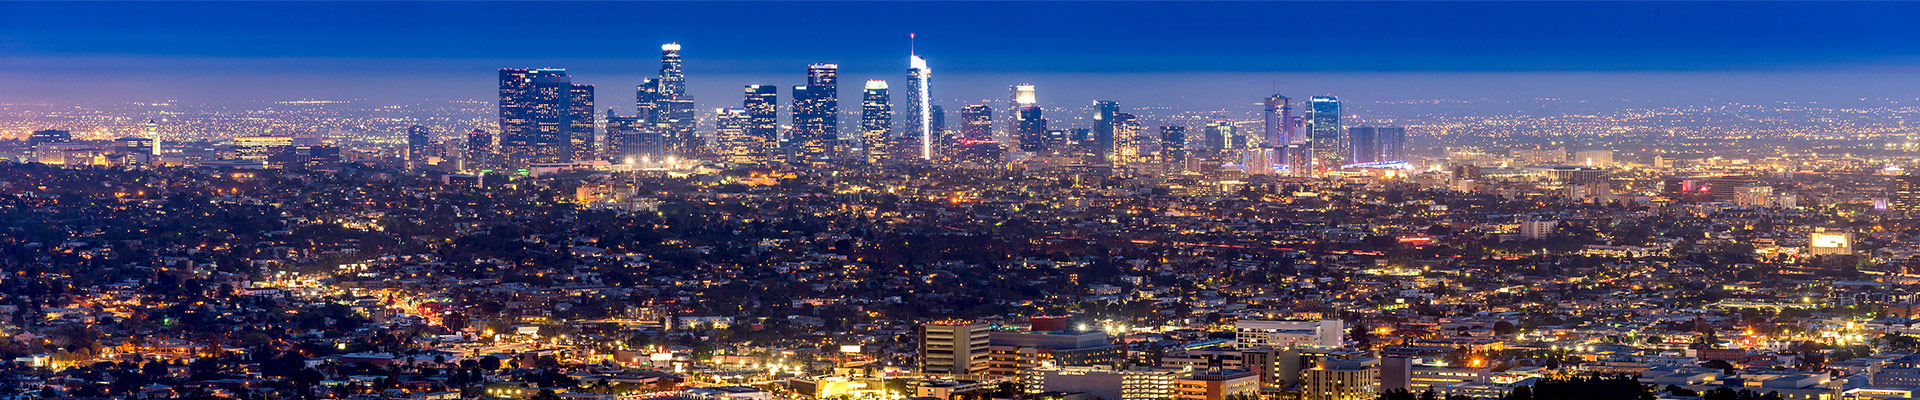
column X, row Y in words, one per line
column 49, row 136
column 730, row 134
column 1216, row 136
column 816, row 114
column 135, row 150
column 1103, row 114
column 1328, row 333
column 628, row 138
column 976, row 135
column 1323, row 132
column 976, row 123
column 647, row 101
column 152, row 132
column 763, row 117
column 1363, row 145
column 876, row 119
column 580, row 124
column 1026, row 124
column 1904, row 194
column 1173, row 142
column 673, row 82
column 1278, row 110
column 479, row 150
column 954, row 348
column 920, row 109
column 1125, row 139
column 1010, row 352
column 537, row 115
column 417, row 142
column 938, row 122
column 1392, row 141
column 1031, row 129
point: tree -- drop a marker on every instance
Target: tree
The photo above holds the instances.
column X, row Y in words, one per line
column 490, row 363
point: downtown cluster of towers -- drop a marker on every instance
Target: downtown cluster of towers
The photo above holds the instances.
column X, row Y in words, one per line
column 545, row 118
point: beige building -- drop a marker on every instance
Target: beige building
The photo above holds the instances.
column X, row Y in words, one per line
column 953, row 348
column 1334, row 379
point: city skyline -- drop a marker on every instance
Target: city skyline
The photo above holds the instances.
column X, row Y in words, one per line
column 1518, row 55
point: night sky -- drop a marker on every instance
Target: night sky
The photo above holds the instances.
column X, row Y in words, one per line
column 1201, row 54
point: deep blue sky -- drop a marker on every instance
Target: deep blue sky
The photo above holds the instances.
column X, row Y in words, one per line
column 1140, row 51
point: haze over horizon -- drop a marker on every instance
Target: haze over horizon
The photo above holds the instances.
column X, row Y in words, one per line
column 1198, row 55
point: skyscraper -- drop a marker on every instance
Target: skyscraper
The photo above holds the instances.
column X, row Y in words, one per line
column 1104, row 112
column 630, row 138
column 815, row 114
column 580, row 123
column 673, row 82
column 417, row 142
column 152, row 132
column 1025, row 124
column 1126, row 139
column 1376, row 144
column 763, row 117
column 479, row 150
column 647, row 101
column 976, row 123
column 1324, row 132
column 876, row 119
column 919, row 108
column 1278, row 110
column 730, row 134
column 1173, row 142
column 1216, row 136
column 537, row 112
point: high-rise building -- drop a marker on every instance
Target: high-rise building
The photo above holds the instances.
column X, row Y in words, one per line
column 673, row 82
column 1392, row 141
column 479, row 150
column 537, row 115
column 920, row 108
column 1103, row 137
column 417, row 142
column 1277, row 110
column 1341, row 379
column 1904, row 194
column 1362, row 145
column 630, row 138
column 580, row 124
column 816, row 114
column 976, row 123
column 763, row 117
column 954, row 348
column 151, row 130
column 1317, row 333
column 876, row 119
column 1216, row 136
column 647, row 101
column 1126, row 140
column 1173, row 142
column 1324, row 132
column 1025, row 123
column 731, row 141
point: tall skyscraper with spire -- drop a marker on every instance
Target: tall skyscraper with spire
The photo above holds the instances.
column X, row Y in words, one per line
column 664, row 104
column 920, row 103
column 876, row 119
column 816, row 108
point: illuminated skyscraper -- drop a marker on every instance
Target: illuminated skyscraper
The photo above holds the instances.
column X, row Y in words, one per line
column 1173, row 143
column 417, row 142
column 630, row 138
column 646, row 100
column 580, row 123
column 1125, row 139
column 763, row 117
column 976, row 134
column 919, row 107
column 673, row 82
column 537, row 115
column 730, row 134
column 1278, row 110
column 815, row 114
column 1103, row 135
column 1025, row 123
column 1215, row 137
column 1324, row 132
column 479, row 150
column 876, row 119
column 1362, row 146
column 152, row 132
